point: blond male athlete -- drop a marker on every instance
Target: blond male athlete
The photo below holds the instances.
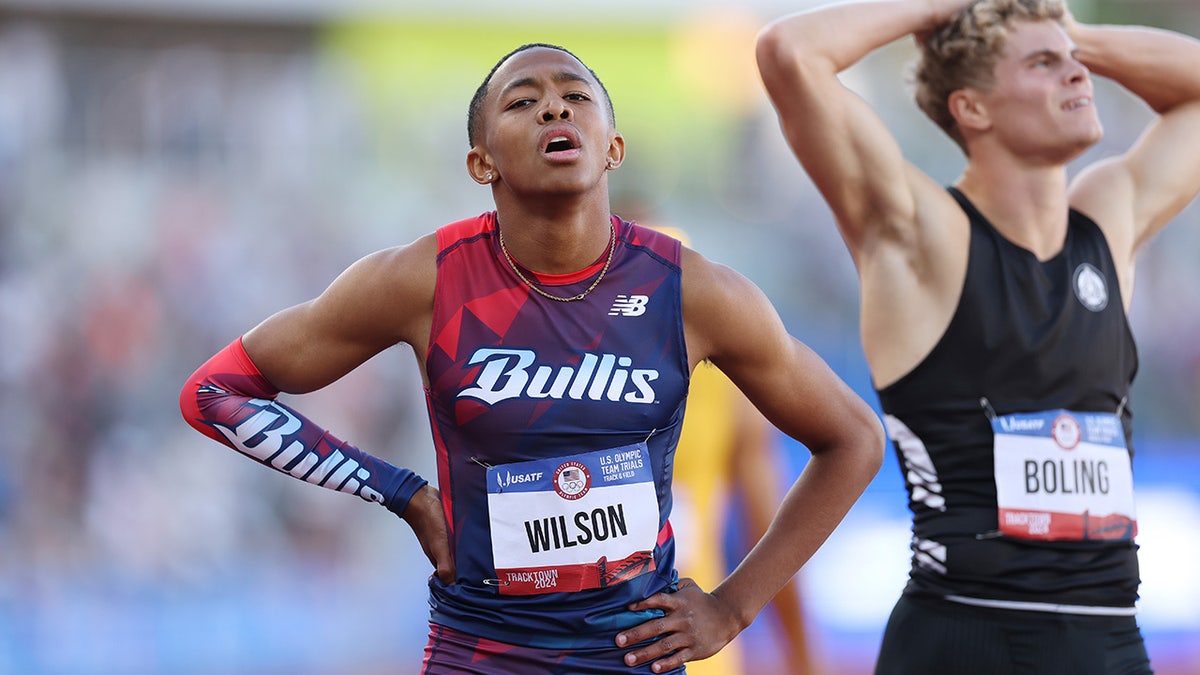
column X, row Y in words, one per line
column 994, row 312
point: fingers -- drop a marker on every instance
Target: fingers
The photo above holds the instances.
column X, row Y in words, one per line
column 667, row 601
column 669, row 662
column 670, row 650
column 425, row 515
column 693, row 625
column 654, row 628
column 663, row 601
column 443, row 562
column 666, row 640
column 661, row 651
column 642, row 632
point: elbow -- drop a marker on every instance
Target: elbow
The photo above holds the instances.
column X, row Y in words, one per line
column 773, row 50
column 187, row 397
column 870, row 442
column 877, row 444
column 788, row 60
column 188, row 405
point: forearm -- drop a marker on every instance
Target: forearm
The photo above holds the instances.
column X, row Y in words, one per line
column 1158, row 66
column 229, row 400
column 814, row 506
column 843, row 34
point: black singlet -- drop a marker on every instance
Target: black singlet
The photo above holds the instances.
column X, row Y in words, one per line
column 1027, row 335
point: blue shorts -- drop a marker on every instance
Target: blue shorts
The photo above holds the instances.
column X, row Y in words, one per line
column 451, row 652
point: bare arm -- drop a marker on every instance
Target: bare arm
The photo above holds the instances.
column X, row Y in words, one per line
column 730, row 321
column 842, row 143
column 755, row 465
column 907, row 236
column 1135, row 195
column 383, row 299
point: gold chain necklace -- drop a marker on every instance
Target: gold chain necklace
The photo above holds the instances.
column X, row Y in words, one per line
column 612, row 247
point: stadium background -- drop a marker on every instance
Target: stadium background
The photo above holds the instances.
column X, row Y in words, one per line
column 172, row 172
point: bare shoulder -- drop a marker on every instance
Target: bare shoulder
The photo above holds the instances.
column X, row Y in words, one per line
column 408, row 269
column 711, row 288
column 724, row 312
column 393, row 288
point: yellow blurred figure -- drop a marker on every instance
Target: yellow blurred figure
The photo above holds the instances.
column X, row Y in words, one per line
column 726, row 451
column 726, row 454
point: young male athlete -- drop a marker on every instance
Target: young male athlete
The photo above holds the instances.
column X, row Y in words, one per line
column 994, row 313
column 556, row 342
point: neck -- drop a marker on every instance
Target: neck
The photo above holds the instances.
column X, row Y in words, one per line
column 554, row 237
column 1028, row 205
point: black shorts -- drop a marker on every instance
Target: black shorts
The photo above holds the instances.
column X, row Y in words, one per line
column 926, row 636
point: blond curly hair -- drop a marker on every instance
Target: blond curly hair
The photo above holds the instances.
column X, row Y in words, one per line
column 963, row 53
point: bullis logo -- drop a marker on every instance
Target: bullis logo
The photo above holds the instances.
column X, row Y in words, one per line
column 514, row 373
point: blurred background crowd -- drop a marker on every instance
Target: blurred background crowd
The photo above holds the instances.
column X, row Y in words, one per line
column 173, row 172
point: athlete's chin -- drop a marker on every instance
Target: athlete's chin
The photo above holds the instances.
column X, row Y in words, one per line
column 564, row 187
column 1090, row 134
column 1079, row 143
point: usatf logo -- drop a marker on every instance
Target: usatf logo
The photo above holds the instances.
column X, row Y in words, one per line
column 514, row 373
column 510, row 478
column 629, row 305
column 572, row 480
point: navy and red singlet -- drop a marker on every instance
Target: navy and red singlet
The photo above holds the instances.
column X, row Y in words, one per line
column 555, row 425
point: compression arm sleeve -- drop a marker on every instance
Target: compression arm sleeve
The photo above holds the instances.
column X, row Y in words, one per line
column 229, row 400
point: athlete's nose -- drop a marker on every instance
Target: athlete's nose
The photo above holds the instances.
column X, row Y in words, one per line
column 556, row 110
column 1078, row 72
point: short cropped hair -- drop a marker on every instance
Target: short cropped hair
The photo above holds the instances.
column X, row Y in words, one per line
column 964, row 51
column 474, row 123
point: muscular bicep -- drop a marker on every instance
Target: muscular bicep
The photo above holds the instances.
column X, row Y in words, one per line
column 1164, row 170
column 380, row 300
column 843, row 145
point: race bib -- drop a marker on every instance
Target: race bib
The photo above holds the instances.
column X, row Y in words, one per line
column 1063, row 476
column 573, row 523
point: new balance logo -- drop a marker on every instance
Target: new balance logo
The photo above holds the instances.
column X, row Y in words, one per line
column 629, row 305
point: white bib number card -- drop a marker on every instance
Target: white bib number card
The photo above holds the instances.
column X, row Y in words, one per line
column 573, row 523
column 1063, row 476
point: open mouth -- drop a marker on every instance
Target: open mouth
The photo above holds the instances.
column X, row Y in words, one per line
column 1077, row 103
column 559, row 144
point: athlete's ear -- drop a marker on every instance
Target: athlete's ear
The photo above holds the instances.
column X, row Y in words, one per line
column 480, row 167
column 969, row 110
column 616, row 150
